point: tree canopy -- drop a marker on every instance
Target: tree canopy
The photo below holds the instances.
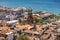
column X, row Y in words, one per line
column 20, row 21
column 37, row 19
column 22, row 37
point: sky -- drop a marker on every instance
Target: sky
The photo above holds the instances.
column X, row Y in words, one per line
column 36, row 5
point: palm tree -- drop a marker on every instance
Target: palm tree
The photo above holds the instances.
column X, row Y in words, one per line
column 37, row 20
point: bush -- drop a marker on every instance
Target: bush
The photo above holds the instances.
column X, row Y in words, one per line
column 2, row 35
column 9, row 25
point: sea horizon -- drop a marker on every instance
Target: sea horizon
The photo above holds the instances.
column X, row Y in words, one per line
column 36, row 5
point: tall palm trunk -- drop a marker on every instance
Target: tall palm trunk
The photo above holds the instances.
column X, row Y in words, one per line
column 35, row 26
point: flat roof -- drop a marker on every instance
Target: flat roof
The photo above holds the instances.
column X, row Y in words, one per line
column 13, row 21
